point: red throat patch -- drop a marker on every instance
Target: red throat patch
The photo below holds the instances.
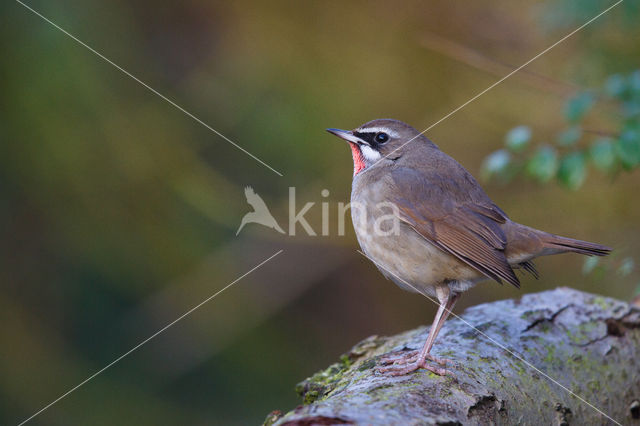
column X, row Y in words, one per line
column 358, row 161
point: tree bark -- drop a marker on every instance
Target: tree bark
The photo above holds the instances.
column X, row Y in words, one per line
column 579, row 363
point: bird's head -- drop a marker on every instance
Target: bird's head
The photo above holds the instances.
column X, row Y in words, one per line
column 379, row 141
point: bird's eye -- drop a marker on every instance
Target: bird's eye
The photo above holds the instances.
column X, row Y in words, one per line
column 382, row 137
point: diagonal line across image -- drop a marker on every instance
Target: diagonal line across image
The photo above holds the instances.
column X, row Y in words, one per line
column 145, row 341
column 280, row 174
column 495, row 342
column 146, row 86
column 581, row 27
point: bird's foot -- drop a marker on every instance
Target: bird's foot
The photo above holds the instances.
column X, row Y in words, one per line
column 399, row 358
column 413, row 366
column 408, row 357
column 442, row 361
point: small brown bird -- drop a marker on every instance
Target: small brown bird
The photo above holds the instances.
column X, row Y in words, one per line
column 447, row 235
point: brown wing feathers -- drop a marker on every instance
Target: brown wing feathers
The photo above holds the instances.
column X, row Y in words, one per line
column 473, row 241
column 468, row 228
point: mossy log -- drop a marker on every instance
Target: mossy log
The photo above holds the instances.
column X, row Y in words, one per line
column 557, row 357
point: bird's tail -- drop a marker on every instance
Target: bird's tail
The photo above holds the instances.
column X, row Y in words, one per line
column 556, row 244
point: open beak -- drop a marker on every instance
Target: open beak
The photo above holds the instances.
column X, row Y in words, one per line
column 347, row 135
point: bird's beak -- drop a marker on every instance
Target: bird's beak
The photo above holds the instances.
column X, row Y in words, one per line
column 347, row 135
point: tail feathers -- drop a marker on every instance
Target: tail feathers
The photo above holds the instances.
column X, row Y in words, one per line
column 556, row 244
column 530, row 268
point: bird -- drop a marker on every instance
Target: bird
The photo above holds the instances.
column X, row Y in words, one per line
column 260, row 213
column 449, row 235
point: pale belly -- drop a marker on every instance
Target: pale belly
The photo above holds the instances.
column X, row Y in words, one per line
column 410, row 260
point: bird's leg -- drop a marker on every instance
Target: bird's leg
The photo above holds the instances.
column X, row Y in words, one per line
column 450, row 302
column 414, row 359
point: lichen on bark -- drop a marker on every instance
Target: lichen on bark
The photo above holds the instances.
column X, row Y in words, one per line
column 535, row 360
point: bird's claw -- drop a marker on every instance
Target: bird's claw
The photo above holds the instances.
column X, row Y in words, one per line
column 399, row 358
column 442, row 361
column 400, row 371
column 411, row 357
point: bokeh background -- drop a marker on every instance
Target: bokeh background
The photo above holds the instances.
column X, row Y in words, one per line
column 119, row 212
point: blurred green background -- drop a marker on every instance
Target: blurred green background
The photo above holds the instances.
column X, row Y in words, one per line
column 119, row 212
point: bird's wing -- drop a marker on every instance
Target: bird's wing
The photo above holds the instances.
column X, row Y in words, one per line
column 254, row 200
column 455, row 215
column 249, row 192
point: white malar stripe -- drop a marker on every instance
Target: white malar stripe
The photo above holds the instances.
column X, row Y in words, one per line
column 378, row 130
column 370, row 153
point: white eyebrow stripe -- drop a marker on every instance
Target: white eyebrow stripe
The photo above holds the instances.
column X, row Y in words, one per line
column 377, row 130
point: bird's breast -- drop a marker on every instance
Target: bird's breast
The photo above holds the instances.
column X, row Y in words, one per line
column 401, row 253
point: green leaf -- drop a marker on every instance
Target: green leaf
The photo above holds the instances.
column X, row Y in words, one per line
column 518, row 138
column 628, row 149
column 578, row 106
column 589, row 264
column 626, row 267
column 631, row 108
column 496, row 163
column 616, row 85
column 603, row 154
column 572, row 171
column 544, row 163
column 570, row 136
